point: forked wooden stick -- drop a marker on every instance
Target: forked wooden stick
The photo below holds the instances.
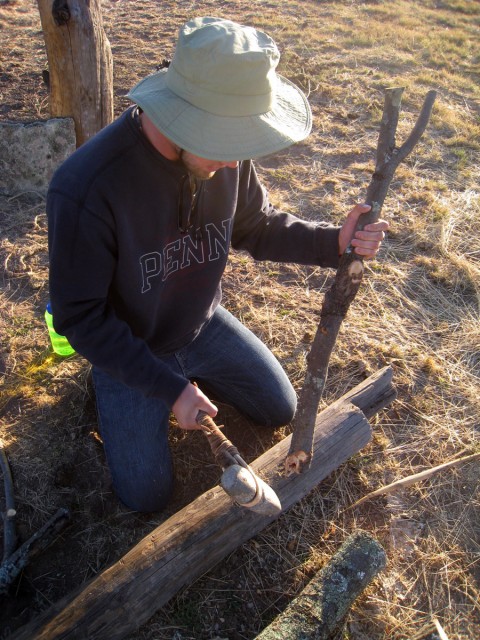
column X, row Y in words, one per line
column 349, row 276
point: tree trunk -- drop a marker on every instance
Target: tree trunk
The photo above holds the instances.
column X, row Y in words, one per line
column 196, row 538
column 320, row 611
column 80, row 64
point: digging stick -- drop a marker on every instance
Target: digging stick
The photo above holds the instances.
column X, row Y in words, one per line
column 349, row 276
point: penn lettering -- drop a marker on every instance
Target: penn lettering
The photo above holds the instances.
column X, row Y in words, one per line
column 218, row 241
column 179, row 254
column 151, row 266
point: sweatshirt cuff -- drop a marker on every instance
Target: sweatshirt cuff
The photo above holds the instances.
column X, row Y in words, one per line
column 327, row 246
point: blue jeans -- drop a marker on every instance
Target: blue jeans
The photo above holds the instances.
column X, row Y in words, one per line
column 230, row 364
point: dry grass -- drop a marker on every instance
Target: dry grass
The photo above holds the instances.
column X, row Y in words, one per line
column 418, row 310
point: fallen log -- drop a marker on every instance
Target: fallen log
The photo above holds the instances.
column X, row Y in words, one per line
column 320, row 611
column 195, row 539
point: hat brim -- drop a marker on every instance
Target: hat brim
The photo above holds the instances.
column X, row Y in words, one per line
column 225, row 138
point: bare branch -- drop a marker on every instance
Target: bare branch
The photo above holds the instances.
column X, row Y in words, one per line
column 388, row 155
column 416, row 477
column 348, row 278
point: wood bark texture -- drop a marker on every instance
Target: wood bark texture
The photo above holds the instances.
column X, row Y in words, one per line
column 195, row 539
column 349, row 276
column 9, row 515
column 320, row 611
column 80, row 64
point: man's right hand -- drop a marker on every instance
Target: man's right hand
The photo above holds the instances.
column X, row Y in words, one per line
column 188, row 404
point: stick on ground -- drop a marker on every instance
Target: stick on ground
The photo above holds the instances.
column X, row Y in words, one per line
column 14, row 564
column 417, row 477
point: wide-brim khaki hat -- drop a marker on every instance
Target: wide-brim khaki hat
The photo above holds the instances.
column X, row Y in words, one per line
column 221, row 97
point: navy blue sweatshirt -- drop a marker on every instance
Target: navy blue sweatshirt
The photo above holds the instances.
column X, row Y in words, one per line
column 126, row 284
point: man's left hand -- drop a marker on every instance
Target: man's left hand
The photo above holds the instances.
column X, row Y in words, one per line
column 366, row 243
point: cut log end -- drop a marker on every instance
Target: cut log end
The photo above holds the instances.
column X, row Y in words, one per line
column 297, row 462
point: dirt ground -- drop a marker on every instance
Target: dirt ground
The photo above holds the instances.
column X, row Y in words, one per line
column 418, row 311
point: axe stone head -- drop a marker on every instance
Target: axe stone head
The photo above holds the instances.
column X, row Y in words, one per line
column 248, row 490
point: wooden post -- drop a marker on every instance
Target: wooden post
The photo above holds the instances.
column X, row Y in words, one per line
column 80, row 64
column 195, row 539
column 320, row 611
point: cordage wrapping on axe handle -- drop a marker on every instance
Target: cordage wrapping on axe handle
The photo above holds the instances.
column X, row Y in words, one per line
column 224, row 451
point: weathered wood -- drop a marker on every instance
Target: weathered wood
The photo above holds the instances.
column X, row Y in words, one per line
column 196, row 538
column 80, row 64
column 348, row 278
column 320, row 611
column 9, row 528
column 41, row 539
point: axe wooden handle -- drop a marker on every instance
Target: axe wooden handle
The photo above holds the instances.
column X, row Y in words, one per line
column 225, row 453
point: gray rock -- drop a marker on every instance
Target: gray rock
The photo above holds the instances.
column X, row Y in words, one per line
column 30, row 153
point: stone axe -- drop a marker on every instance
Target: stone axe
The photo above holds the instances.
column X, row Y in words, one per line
column 238, row 480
